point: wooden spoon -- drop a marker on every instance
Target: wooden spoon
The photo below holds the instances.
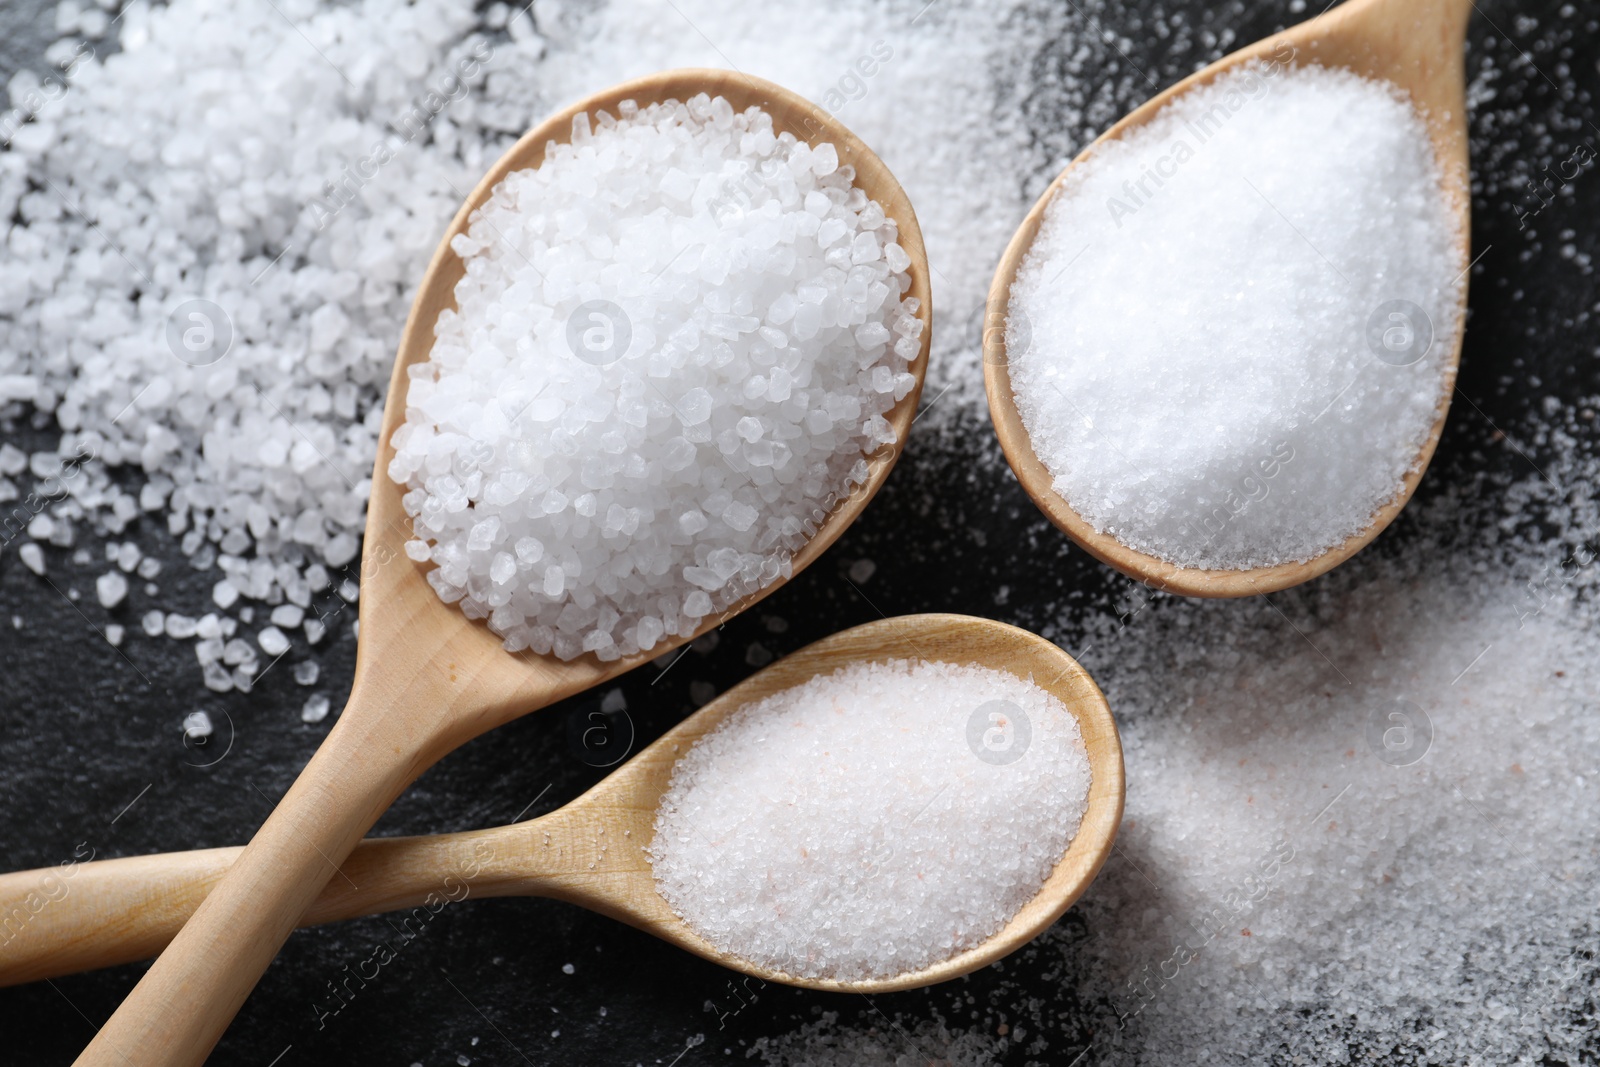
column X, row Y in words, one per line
column 1417, row 45
column 591, row 852
column 427, row 679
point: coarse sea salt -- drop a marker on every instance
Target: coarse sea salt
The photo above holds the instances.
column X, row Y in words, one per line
column 848, row 828
column 673, row 349
column 1233, row 333
column 311, row 262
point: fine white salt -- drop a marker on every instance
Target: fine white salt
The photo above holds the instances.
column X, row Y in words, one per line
column 673, row 349
column 872, row 821
column 1231, row 336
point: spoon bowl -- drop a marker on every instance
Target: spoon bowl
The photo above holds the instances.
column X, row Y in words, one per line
column 592, row 851
column 1414, row 44
column 427, row 678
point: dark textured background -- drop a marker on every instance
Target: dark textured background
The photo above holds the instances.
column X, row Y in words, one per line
column 86, row 730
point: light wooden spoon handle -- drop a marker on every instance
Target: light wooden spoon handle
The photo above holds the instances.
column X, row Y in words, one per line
column 79, row 916
column 182, row 1005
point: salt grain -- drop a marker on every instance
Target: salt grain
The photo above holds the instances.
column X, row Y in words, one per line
column 850, row 827
column 272, row 641
column 315, row 708
column 110, row 589
column 225, row 594
column 287, row 616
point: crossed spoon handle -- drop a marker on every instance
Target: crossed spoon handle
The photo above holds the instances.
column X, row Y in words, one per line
column 81, row 914
column 428, row 679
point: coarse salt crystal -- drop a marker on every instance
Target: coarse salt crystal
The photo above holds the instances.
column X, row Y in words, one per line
column 558, row 431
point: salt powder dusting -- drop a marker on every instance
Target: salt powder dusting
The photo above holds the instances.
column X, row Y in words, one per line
column 675, row 344
column 1232, row 335
column 912, row 1043
column 861, row 825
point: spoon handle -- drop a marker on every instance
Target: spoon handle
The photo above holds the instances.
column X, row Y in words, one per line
column 84, row 914
column 178, row 1011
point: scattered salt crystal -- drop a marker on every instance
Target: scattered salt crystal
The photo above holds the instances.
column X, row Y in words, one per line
column 288, row 616
column 110, row 588
column 197, row 725
column 114, row 634
column 315, row 708
column 32, row 557
column 862, row 824
column 154, row 623
column 1230, row 338
column 306, row 672
column 272, row 641
column 225, row 594
column 181, row 627
column 216, row 677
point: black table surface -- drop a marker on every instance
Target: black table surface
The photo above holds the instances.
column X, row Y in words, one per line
column 92, row 747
